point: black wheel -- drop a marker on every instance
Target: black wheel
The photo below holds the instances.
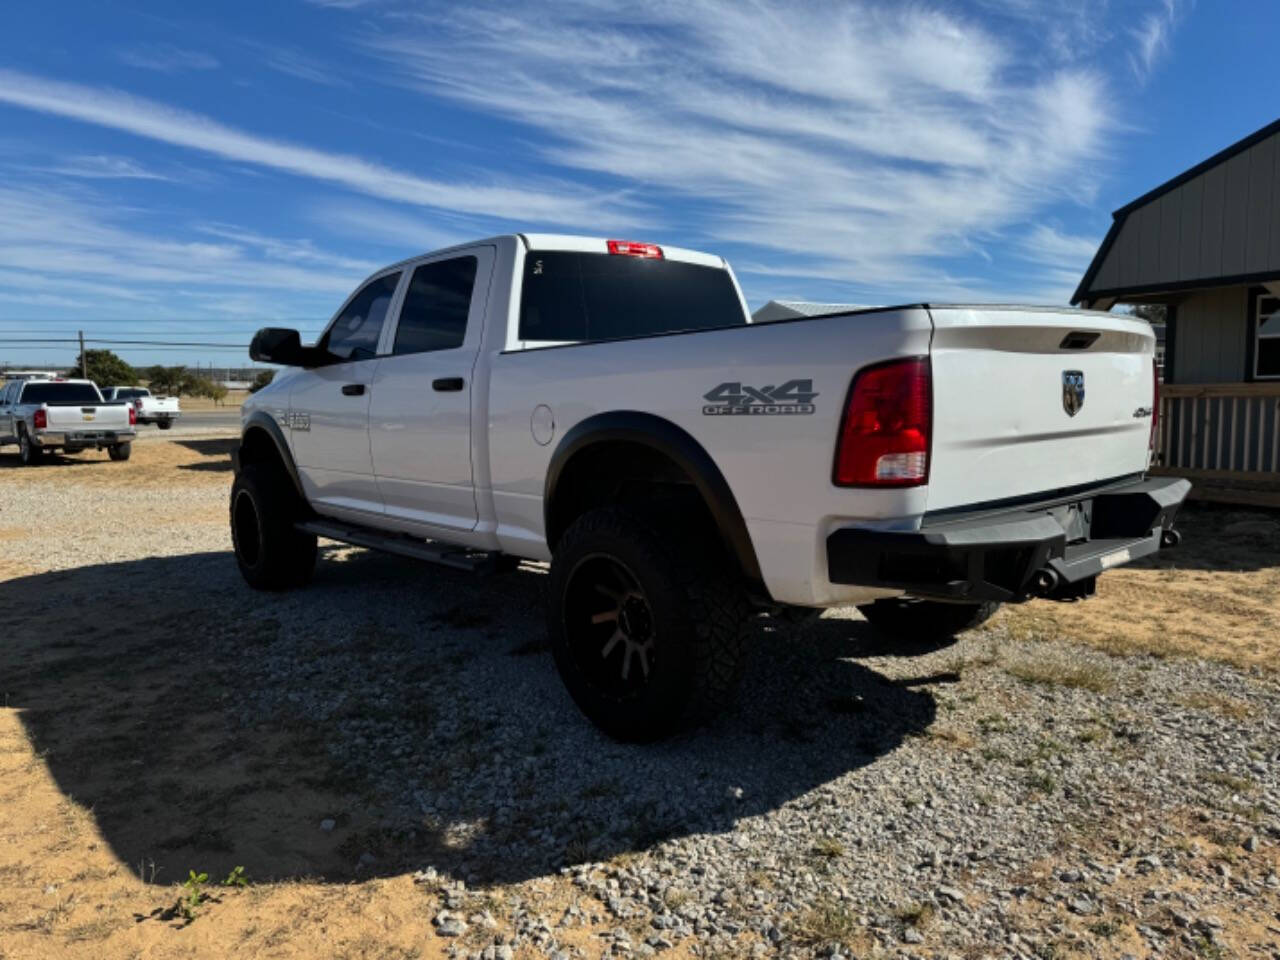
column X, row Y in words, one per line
column 120, row 451
column 272, row 555
column 645, row 624
column 164, row 424
column 28, row 452
column 906, row 618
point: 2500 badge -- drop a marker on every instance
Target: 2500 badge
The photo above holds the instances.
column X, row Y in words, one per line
column 795, row 397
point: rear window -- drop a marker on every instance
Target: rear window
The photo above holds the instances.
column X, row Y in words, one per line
column 60, row 393
column 598, row 296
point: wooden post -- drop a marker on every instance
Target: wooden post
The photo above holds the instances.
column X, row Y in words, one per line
column 84, row 361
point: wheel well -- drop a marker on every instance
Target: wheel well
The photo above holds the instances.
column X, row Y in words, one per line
column 257, row 447
column 632, row 473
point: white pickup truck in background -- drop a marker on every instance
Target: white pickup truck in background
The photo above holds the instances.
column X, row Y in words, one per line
column 607, row 406
column 162, row 411
column 42, row 416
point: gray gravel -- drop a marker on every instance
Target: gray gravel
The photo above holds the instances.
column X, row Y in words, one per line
column 860, row 800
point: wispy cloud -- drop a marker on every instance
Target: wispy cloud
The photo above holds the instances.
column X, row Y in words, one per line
column 852, row 139
column 1151, row 37
column 166, row 58
column 127, row 264
column 536, row 200
column 104, row 167
column 296, row 64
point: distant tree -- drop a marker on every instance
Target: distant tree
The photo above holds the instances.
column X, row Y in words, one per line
column 1151, row 312
column 105, row 369
column 263, row 378
column 169, row 380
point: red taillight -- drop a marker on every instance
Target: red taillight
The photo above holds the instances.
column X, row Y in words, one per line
column 884, row 439
column 133, row 416
column 41, row 419
column 629, row 248
column 1155, row 404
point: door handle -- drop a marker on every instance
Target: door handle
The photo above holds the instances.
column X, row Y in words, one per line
column 447, row 384
column 353, row 389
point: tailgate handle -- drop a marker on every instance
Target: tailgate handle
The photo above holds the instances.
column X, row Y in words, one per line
column 1079, row 340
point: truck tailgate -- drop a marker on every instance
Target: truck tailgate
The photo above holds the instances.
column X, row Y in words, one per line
column 87, row 416
column 1008, row 417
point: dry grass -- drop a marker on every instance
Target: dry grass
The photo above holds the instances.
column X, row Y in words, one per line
column 1056, row 671
column 829, row 922
column 1214, row 597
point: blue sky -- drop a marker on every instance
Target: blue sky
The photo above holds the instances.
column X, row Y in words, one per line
column 173, row 172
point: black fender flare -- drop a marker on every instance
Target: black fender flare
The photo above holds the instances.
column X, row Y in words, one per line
column 262, row 421
column 678, row 445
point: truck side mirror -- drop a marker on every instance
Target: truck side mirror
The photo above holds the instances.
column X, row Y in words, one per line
column 284, row 346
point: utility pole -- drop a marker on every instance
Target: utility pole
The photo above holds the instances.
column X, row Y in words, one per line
column 84, row 361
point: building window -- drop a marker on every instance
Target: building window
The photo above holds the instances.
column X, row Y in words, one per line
column 1266, row 347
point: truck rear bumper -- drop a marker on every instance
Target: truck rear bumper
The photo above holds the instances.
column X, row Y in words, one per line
column 82, row 438
column 1054, row 549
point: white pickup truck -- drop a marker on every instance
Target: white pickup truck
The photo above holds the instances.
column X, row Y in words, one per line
column 41, row 416
column 607, row 406
column 162, row 411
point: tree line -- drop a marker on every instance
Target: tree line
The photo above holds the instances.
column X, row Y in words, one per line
column 107, row 369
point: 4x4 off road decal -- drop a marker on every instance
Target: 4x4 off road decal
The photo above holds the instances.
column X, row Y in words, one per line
column 738, row 399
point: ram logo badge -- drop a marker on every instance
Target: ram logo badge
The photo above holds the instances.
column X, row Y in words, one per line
column 737, row 399
column 1072, row 391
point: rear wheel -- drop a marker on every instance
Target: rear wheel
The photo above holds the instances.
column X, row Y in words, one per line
column 164, row 424
column 30, row 454
column 645, row 625
column 271, row 554
column 906, row 618
column 120, row 451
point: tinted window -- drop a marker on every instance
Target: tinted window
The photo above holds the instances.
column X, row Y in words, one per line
column 354, row 335
column 128, row 393
column 597, row 296
column 434, row 316
column 61, row 393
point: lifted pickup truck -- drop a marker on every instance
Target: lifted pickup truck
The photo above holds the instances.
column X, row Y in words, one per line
column 162, row 411
column 607, row 406
column 41, row 416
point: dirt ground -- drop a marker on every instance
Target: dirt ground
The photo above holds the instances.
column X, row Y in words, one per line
column 115, row 676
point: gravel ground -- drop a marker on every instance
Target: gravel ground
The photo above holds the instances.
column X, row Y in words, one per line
column 1001, row 796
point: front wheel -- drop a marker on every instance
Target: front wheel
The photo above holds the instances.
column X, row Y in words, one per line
column 271, row 553
column 645, row 625
column 905, row 618
column 120, row 451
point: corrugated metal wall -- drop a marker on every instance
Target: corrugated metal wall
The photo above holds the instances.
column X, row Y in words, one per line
column 1223, row 223
column 1210, row 340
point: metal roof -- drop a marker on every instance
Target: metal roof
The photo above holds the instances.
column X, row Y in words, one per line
column 1217, row 223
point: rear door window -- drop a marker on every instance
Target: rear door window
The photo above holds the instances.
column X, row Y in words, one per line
column 355, row 334
column 595, row 296
column 434, row 315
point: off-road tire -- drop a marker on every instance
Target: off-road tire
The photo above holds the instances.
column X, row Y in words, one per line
column 905, row 618
column 120, row 451
column 697, row 611
column 30, row 454
column 271, row 554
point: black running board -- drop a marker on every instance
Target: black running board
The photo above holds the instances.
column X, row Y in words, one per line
column 460, row 558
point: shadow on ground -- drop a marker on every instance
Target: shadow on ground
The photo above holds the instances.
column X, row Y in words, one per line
column 208, row 726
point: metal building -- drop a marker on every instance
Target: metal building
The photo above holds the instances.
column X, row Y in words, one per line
column 1206, row 244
